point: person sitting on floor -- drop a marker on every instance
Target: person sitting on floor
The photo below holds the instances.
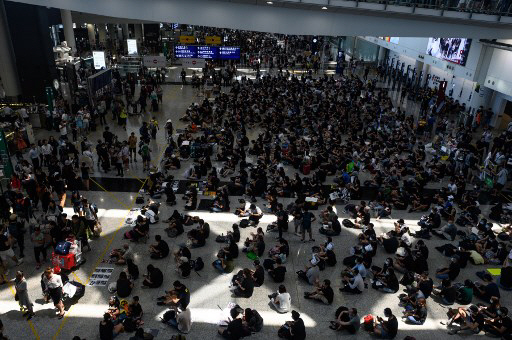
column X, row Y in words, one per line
column 281, row 300
column 348, row 320
column 252, row 321
column 235, row 328
column 323, row 292
column 160, row 249
column 153, row 278
column 122, row 255
column 354, row 284
column 244, row 287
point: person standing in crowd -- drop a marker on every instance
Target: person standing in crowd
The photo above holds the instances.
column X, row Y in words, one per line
column 132, row 144
column 38, row 239
column 307, row 219
column 20, row 284
column 53, row 286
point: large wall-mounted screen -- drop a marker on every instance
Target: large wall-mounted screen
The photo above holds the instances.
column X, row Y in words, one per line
column 455, row 50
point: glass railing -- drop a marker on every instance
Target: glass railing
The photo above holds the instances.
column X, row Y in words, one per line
column 490, row 7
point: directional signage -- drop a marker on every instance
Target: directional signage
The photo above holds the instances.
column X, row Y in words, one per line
column 181, row 51
column 208, row 52
column 228, row 52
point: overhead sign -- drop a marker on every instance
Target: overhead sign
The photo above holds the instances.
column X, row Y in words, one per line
column 229, row 52
column 98, row 58
column 193, row 62
column 208, row 52
column 213, row 40
column 154, row 61
column 187, row 39
column 185, row 51
column 132, row 46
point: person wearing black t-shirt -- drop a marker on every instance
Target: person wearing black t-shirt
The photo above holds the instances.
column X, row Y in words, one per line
column 235, row 329
column 322, row 293
column 282, row 219
column 179, row 296
column 160, row 249
column 258, row 274
column 278, row 272
column 447, row 292
column 390, row 244
column 107, row 331
column 487, row 291
column 451, row 272
column 124, row 286
column 245, row 287
column 500, row 326
column 296, row 328
column 135, row 308
column 386, row 329
column 505, row 279
column 154, row 277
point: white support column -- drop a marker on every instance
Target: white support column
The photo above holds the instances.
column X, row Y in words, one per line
column 126, row 32
column 8, row 71
column 91, row 33
column 69, row 34
column 102, row 34
column 138, row 34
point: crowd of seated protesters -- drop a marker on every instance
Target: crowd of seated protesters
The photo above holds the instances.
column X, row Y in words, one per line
column 385, row 143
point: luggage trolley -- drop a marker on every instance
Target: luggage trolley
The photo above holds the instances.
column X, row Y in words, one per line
column 67, row 255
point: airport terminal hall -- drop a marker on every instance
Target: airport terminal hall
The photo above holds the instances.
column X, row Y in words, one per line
column 228, row 169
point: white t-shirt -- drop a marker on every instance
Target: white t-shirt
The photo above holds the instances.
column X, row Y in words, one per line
column 46, row 149
column 184, row 320
column 285, row 301
column 150, row 215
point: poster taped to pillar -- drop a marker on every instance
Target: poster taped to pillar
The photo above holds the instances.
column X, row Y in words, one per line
column 132, row 46
column 98, row 58
column 155, row 61
column 193, row 62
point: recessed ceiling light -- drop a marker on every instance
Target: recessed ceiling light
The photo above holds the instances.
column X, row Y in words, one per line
column 270, row 3
column 324, row 7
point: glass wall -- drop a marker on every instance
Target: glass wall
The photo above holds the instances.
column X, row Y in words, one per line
column 360, row 49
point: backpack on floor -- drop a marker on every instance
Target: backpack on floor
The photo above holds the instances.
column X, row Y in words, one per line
column 368, row 322
column 347, row 223
column 244, row 223
column 139, row 200
column 198, row 264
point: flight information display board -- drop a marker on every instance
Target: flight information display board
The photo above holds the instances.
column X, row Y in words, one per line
column 228, row 52
column 207, row 52
column 182, row 51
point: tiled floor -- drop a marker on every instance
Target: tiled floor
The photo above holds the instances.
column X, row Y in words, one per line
column 209, row 292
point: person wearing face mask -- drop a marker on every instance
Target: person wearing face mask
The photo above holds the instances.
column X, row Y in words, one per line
column 387, row 283
column 500, row 325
